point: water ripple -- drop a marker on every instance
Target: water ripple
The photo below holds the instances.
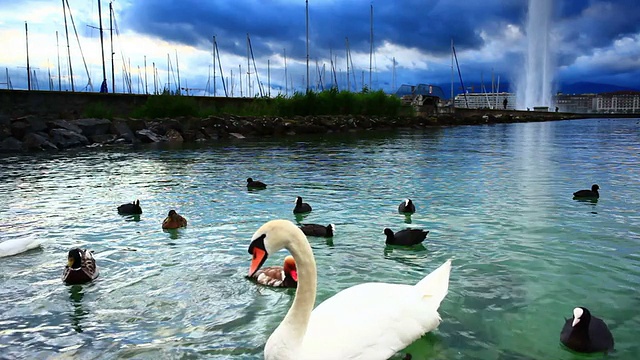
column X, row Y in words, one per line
column 495, row 198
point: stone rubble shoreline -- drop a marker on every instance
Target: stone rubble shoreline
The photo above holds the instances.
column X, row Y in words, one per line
column 33, row 133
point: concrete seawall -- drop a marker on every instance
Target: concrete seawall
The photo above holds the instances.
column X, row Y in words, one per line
column 72, row 105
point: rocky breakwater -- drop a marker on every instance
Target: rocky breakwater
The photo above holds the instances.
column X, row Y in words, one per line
column 32, row 133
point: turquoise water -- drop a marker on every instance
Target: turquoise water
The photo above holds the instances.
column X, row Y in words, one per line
column 495, row 198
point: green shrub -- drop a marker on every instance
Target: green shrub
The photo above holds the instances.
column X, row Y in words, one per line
column 328, row 102
column 159, row 106
column 98, row 110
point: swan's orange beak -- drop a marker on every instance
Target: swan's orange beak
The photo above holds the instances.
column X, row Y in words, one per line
column 294, row 275
column 259, row 256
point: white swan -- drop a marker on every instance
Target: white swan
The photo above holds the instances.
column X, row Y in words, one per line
column 17, row 246
column 367, row 321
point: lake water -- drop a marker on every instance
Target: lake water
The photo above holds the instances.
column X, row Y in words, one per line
column 497, row 199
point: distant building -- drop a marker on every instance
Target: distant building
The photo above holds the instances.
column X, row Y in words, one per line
column 619, row 102
column 486, row 100
column 423, row 97
column 575, row 103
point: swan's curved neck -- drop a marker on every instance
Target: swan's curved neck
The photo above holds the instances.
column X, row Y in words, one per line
column 294, row 325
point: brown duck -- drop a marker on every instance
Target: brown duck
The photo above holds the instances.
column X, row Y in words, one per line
column 81, row 267
column 174, row 221
column 278, row 276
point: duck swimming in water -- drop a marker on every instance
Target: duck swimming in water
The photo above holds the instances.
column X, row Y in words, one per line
column 174, row 221
column 586, row 333
column 255, row 185
column 130, row 209
column 587, row 194
column 278, row 276
column 406, row 207
column 318, row 230
column 406, row 237
column 81, row 267
column 301, row 207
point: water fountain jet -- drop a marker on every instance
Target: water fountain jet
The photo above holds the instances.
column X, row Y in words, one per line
column 534, row 85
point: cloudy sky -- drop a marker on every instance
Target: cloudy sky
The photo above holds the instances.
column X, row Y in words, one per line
column 590, row 40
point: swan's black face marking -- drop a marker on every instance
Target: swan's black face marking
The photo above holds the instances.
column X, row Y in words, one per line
column 257, row 249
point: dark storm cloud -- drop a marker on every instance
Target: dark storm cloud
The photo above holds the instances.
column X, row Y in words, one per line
column 598, row 24
column 423, row 24
column 274, row 25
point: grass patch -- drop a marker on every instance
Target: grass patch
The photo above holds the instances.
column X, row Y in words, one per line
column 97, row 110
column 328, row 102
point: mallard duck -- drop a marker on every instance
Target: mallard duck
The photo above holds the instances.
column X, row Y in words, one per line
column 407, row 207
column 174, row 221
column 301, row 207
column 318, row 230
column 255, row 185
column 17, row 246
column 586, row 333
column 405, row 237
column 81, row 267
column 367, row 321
column 591, row 194
column 130, row 209
column 278, row 276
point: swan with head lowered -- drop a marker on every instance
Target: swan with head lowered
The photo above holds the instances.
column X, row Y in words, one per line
column 367, row 321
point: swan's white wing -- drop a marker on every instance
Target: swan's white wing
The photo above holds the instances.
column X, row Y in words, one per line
column 17, row 246
column 369, row 321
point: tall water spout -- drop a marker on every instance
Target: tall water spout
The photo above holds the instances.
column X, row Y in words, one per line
column 534, row 86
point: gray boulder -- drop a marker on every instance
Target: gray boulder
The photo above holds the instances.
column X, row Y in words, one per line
column 122, row 130
column 36, row 124
column 148, row 136
column 103, row 139
column 10, row 144
column 5, row 131
column 174, row 136
column 19, row 129
column 64, row 124
column 33, row 141
column 91, row 127
column 65, row 139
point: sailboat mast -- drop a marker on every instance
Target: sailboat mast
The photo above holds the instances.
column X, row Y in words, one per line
column 113, row 71
column 58, row 50
column 146, row 88
column 453, row 103
column 178, row 71
column 66, row 29
column 346, row 41
column 240, row 78
column 26, row 33
column 307, row 26
column 104, row 69
column 286, row 82
column 248, row 68
column 371, row 47
column 214, row 65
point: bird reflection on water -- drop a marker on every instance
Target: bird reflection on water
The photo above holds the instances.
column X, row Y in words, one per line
column 78, row 314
